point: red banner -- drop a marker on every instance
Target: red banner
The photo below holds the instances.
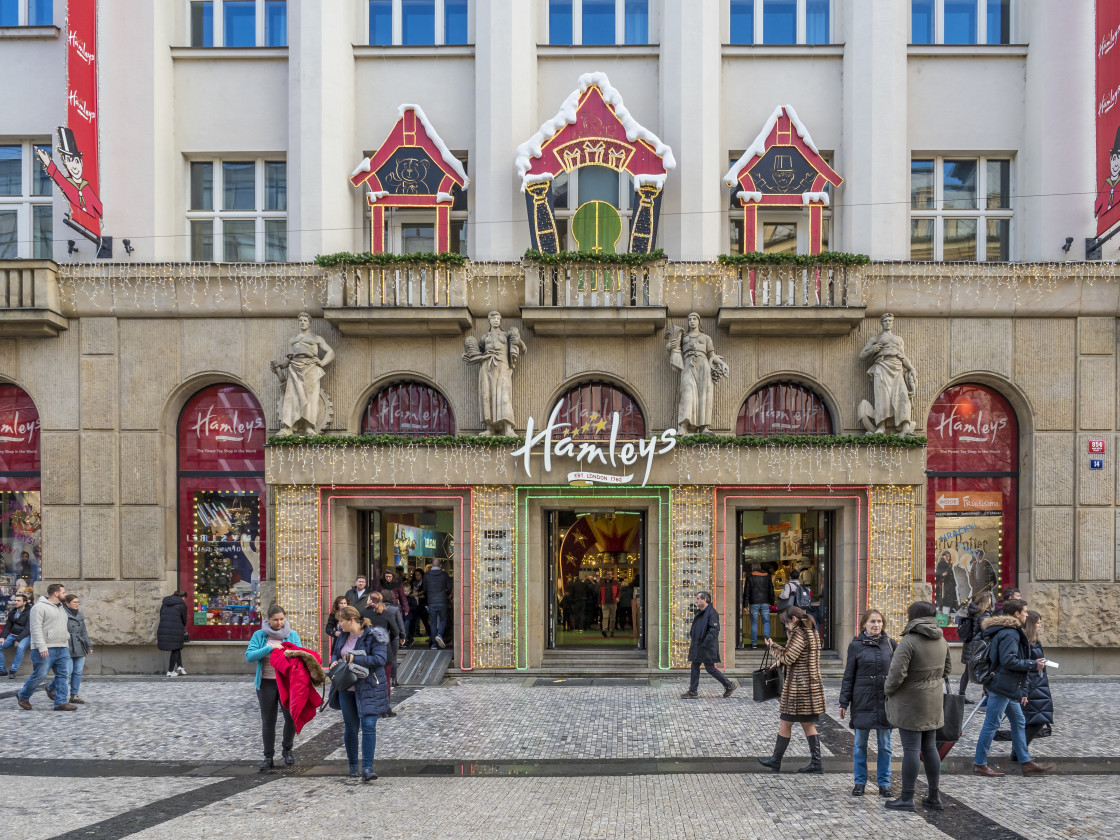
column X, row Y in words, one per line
column 1107, row 205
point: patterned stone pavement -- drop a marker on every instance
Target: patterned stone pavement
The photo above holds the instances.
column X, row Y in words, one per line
column 503, row 758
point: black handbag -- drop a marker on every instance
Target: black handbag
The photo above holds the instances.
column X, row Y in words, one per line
column 766, row 682
column 953, row 705
column 342, row 676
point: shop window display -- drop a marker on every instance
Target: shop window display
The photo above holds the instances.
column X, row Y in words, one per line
column 222, row 513
column 21, row 542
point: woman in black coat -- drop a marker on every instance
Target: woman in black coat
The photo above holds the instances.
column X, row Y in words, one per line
column 968, row 631
column 172, row 631
column 1039, row 710
column 869, row 662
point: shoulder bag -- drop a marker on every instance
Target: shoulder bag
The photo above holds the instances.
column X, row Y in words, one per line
column 953, row 704
column 766, row 681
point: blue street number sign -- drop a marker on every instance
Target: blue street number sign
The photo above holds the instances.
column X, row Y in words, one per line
column 1096, row 463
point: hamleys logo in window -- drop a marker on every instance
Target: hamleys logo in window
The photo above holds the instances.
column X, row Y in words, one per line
column 228, row 428
column 16, row 429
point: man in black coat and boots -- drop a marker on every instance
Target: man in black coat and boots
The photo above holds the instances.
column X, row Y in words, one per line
column 704, row 648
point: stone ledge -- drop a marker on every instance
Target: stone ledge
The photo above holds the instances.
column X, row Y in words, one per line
column 31, row 323
column 790, row 321
column 598, row 321
column 400, row 320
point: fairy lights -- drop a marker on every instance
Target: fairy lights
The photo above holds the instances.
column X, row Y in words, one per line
column 891, row 536
column 494, row 582
column 297, row 559
column 691, row 564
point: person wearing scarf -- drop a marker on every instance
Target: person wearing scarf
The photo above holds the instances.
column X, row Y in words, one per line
column 865, row 676
column 272, row 635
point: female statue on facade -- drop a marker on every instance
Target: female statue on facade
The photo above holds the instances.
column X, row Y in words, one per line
column 893, row 382
column 694, row 355
column 496, row 353
column 304, row 408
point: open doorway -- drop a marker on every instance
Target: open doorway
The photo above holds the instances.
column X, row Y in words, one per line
column 596, row 579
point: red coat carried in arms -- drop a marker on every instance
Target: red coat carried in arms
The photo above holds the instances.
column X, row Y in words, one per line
column 298, row 672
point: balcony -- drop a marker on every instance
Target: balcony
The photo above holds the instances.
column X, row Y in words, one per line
column 29, row 300
column 594, row 299
column 791, row 300
column 398, row 299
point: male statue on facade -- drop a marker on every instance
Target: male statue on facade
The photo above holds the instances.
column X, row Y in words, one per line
column 694, row 355
column 893, row 382
column 496, row 355
column 304, row 408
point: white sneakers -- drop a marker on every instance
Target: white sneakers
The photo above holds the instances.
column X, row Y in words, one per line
column 181, row 671
column 172, row 673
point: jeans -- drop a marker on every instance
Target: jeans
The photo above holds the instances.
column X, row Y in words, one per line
column 353, row 721
column 694, row 680
column 57, row 658
column 919, row 748
column 77, row 665
column 762, row 610
column 20, row 645
column 882, row 763
column 997, row 705
column 268, row 696
column 437, row 617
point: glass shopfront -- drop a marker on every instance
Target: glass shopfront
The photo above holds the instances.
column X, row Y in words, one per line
column 771, row 545
column 21, row 543
column 222, row 512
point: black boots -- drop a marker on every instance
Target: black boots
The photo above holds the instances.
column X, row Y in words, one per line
column 289, row 758
column 905, row 802
column 814, row 765
column 266, row 765
column 774, row 762
column 933, row 801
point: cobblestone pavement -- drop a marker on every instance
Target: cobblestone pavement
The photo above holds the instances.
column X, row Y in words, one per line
column 503, row 758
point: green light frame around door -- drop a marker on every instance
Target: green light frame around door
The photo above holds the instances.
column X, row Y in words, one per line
column 664, row 562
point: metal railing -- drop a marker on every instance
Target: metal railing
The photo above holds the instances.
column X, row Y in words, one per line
column 398, row 284
column 825, row 285
column 578, row 284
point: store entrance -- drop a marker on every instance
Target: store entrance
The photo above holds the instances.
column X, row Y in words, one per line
column 596, row 581
column 771, row 546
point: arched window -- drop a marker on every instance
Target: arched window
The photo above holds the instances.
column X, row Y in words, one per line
column 21, row 533
column 222, row 511
column 589, row 408
column 408, row 408
column 972, row 498
column 784, row 408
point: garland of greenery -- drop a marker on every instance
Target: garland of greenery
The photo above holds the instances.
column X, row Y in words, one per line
column 565, row 257
column 807, row 260
column 914, row 442
column 367, row 258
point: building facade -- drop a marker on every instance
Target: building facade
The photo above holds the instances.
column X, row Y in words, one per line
column 139, row 398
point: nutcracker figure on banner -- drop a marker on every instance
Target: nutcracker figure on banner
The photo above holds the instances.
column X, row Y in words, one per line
column 411, row 168
column 594, row 129
column 85, row 206
column 782, row 168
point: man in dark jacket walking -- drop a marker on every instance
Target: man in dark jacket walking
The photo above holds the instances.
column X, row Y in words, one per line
column 16, row 633
column 759, row 595
column 357, row 594
column 437, row 584
column 1009, row 655
column 704, row 647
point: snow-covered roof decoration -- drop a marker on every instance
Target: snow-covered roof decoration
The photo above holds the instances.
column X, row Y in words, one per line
column 762, row 143
column 400, row 137
column 533, row 166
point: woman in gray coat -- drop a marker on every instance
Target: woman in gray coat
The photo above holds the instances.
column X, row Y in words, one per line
column 913, row 688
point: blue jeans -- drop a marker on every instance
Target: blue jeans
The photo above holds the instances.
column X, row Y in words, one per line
column 997, row 705
column 21, row 648
column 57, row 658
column 368, row 725
column 78, row 664
column 756, row 611
column 437, row 617
column 882, row 764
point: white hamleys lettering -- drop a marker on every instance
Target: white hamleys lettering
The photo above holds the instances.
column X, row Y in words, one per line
column 628, row 453
column 16, row 431
column 229, row 428
column 978, row 431
column 1108, row 42
column 81, row 107
column 80, row 47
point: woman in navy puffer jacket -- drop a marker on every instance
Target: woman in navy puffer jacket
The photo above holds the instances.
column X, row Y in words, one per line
column 366, row 701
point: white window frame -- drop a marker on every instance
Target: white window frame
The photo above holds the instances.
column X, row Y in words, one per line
column 398, row 217
column 625, row 198
column 619, row 24
column 259, row 215
column 23, row 203
column 220, row 25
column 440, row 32
column 938, row 213
column 801, row 18
column 981, row 24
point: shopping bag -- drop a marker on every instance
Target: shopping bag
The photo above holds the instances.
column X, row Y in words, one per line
column 766, row 681
column 954, row 715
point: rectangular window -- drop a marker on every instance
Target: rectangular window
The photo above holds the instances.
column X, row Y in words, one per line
column 418, row 22
column 454, row 21
column 251, row 223
column 11, row 170
column 9, row 12
column 9, row 234
column 960, row 208
column 636, row 19
column 40, row 13
column 276, row 23
column 380, row 23
column 26, row 224
column 458, row 243
column 999, row 22
column 418, row 238
column 742, row 25
column 560, row 22
column 598, row 22
column 42, row 231
column 960, row 21
column 239, row 21
column 779, row 21
column 922, row 27
column 202, row 23
column 816, row 22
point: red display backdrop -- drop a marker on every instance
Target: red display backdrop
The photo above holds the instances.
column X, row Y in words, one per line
column 973, row 494
column 222, row 511
column 408, row 408
column 1107, row 205
column 19, row 440
column 589, row 409
column 784, row 408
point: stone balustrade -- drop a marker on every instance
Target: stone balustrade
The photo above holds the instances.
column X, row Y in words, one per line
column 30, row 304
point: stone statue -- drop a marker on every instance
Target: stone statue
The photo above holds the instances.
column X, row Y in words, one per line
column 693, row 354
column 304, row 408
column 893, row 382
column 496, row 353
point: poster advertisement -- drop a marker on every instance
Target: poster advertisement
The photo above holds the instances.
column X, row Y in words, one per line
column 409, row 541
column 966, row 560
column 21, row 545
column 225, row 546
column 1107, row 205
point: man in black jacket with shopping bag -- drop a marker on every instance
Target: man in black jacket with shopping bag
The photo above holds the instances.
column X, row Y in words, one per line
column 704, row 648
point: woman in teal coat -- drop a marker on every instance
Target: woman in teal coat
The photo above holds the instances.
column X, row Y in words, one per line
column 273, row 633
